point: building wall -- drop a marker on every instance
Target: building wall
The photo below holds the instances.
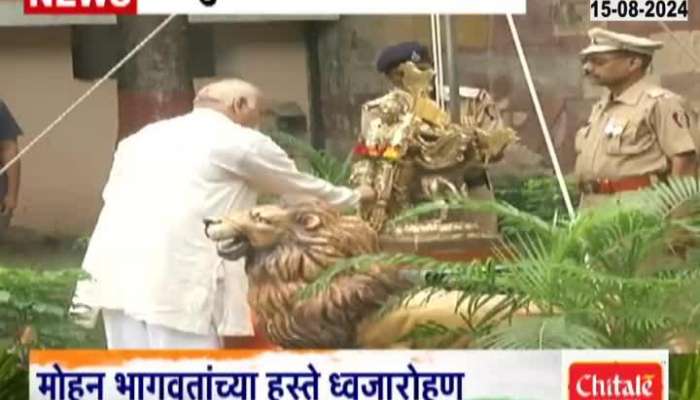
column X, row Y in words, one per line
column 552, row 33
column 270, row 55
column 63, row 174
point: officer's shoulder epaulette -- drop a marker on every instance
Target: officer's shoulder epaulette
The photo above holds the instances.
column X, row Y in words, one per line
column 657, row 92
column 471, row 92
column 394, row 96
column 378, row 100
column 372, row 102
column 465, row 92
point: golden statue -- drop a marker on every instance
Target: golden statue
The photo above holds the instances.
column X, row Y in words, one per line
column 410, row 152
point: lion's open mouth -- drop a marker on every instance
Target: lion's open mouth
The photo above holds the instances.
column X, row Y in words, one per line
column 233, row 248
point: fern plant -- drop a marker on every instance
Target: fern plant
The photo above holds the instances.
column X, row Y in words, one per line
column 620, row 276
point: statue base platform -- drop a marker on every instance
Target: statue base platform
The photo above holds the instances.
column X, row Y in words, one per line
column 467, row 248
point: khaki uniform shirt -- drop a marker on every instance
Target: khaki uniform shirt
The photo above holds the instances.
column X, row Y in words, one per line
column 634, row 134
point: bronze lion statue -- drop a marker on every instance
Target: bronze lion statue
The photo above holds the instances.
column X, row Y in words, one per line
column 287, row 248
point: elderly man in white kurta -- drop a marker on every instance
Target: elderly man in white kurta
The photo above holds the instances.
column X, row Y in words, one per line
column 154, row 274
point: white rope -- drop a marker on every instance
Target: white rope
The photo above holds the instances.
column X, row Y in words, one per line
column 438, row 60
column 540, row 117
column 88, row 92
column 435, row 49
column 683, row 47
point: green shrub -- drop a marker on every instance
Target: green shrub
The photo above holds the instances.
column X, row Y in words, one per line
column 537, row 195
column 41, row 299
column 14, row 376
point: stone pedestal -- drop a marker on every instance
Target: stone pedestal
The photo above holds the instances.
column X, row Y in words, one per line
column 459, row 249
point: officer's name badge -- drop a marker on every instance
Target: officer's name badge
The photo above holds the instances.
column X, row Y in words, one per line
column 614, row 127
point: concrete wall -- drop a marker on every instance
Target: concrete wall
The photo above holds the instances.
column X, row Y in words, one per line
column 63, row 175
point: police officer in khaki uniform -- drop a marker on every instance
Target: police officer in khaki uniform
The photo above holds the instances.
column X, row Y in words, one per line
column 638, row 133
column 477, row 109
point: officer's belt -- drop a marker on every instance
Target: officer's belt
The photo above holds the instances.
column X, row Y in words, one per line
column 610, row 186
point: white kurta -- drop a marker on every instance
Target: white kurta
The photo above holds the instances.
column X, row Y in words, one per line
column 148, row 254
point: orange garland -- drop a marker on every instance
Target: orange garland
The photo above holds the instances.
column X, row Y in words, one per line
column 388, row 152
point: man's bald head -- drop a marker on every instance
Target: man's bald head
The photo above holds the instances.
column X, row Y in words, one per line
column 238, row 99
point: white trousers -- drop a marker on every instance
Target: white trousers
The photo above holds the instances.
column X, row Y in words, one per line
column 125, row 332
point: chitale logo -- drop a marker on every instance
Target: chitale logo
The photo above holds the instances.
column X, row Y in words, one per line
column 80, row 7
column 615, row 381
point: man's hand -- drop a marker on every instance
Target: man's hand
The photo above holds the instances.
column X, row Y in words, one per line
column 9, row 203
column 367, row 194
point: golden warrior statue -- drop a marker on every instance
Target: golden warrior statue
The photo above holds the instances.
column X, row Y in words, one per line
column 409, row 151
